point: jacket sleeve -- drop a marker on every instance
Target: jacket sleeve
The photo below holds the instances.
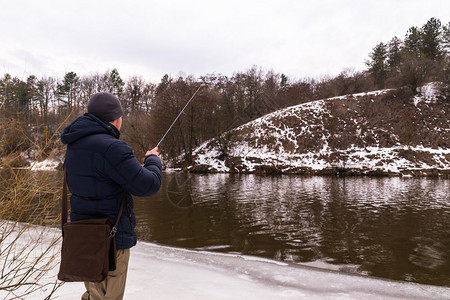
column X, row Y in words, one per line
column 122, row 167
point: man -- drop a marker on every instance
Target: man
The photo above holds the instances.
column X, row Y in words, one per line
column 99, row 168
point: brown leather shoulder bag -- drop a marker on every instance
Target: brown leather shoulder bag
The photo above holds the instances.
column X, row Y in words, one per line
column 88, row 249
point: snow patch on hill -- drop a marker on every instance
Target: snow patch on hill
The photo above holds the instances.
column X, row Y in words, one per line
column 427, row 94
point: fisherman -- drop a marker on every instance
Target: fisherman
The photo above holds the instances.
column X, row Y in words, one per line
column 99, row 168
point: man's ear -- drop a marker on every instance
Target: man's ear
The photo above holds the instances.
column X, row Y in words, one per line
column 117, row 123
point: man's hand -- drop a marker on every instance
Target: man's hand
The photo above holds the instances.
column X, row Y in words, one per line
column 153, row 151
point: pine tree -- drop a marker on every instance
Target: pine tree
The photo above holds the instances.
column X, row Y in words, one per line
column 446, row 38
column 412, row 45
column 430, row 45
column 394, row 54
column 116, row 83
column 67, row 90
column 378, row 64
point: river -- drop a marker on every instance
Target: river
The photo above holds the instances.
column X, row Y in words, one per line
column 389, row 227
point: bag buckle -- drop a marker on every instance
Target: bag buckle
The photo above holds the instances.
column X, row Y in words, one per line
column 113, row 232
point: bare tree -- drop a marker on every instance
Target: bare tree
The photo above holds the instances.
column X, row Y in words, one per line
column 46, row 90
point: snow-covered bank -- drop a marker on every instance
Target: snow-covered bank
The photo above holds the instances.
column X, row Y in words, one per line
column 376, row 133
column 159, row 272
column 387, row 161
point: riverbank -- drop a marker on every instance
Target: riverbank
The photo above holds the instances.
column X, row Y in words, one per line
column 359, row 162
column 159, row 272
column 371, row 161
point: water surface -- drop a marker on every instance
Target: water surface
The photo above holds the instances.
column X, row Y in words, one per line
column 396, row 228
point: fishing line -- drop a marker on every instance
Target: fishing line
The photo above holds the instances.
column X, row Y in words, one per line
column 201, row 85
column 183, row 200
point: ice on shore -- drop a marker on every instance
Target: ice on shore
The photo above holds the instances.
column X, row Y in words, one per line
column 160, row 272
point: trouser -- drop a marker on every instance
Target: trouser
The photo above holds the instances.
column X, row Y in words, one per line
column 113, row 287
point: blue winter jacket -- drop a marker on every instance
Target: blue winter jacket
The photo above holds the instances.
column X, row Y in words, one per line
column 99, row 168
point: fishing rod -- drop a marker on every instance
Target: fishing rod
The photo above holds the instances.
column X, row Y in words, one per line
column 201, row 85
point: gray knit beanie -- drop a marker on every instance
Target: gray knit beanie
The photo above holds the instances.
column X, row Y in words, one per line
column 105, row 106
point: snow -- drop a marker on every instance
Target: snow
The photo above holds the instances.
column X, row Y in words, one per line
column 373, row 93
column 160, row 272
column 215, row 164
column 427, row 94
column 369, row 158
column 45, row 165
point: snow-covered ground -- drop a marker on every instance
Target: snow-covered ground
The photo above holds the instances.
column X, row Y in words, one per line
column 45, row 165
column 159, row 272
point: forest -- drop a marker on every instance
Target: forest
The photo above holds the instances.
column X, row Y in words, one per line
column 34, row 111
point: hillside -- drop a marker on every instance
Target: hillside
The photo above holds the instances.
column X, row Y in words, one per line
column 387, row 132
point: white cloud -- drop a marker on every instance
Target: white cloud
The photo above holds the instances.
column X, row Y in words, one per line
column 151, row 38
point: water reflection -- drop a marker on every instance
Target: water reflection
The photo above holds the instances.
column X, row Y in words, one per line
column 388, row 227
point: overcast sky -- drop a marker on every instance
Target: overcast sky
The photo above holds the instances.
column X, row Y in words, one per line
column 300, row 38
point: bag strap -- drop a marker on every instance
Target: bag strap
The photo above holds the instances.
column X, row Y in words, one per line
column 64, row 207
column 64, row 202
column 114, row 229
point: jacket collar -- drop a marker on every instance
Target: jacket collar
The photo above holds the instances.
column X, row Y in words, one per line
column 86, row 125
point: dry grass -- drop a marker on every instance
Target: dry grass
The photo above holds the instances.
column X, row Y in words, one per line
column 29, row 202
